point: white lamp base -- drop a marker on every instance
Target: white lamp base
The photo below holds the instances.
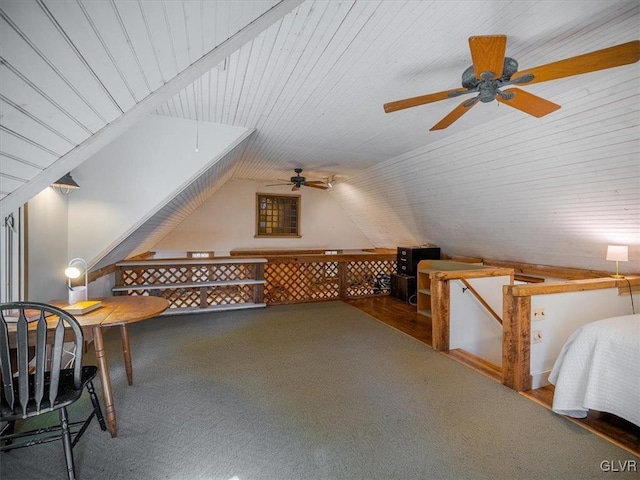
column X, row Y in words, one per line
column 77, row 294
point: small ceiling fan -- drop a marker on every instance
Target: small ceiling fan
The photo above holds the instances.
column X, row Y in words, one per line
column 492, row 70
column 298, row 181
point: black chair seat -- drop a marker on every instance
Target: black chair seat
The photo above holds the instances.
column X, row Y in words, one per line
column 67, row 394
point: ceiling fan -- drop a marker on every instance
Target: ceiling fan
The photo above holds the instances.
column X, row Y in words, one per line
column 298, row 181
column 492, row 70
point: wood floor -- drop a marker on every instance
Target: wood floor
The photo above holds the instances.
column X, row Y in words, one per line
column 404, row 317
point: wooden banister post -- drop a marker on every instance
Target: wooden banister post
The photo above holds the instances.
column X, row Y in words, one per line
column 440, row 299
column 516, row 342
column 204, row 303
column 117, row 278
column 258, row 289
column 342, row 279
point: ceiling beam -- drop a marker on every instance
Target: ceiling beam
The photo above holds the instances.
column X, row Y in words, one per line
column 111, row 131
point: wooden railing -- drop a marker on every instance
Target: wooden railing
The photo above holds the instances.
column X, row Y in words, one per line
column 229, row 283
column 487, row 307
column 308, row 278
column 516, row 337
column 434, row 298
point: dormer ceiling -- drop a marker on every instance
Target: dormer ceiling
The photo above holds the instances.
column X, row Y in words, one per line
column 75, row 75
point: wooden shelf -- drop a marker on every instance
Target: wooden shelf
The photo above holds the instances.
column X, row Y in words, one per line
column 163, row 286
column 424, row 292
column 213, row 308
column 196, row 285
column 190, row 261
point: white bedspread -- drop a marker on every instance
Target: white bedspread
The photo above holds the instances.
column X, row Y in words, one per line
column 599, row 368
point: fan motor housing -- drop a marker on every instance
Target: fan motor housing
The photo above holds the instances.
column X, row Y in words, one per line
column 470, row 81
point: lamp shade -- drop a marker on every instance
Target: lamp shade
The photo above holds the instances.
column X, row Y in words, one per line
column 66, row 184
column 618, row 253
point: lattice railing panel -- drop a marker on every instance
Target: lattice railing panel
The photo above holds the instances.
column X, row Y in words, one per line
column 301, row 282
column 177, row 297
column 369, row 278
column 230, row 295
column 186, row 274
column 191, row 297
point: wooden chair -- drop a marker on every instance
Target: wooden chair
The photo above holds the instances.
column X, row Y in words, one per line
column 34, row 379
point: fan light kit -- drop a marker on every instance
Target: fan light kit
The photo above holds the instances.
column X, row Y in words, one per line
column 492, row 70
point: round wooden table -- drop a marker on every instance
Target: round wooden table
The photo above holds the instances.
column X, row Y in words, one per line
column 115, row 311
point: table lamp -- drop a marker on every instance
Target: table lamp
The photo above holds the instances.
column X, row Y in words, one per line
column 617, row 253
column 77, row 294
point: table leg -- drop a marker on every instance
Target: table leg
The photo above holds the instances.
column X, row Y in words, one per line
column 127, row 353
column 105, row 380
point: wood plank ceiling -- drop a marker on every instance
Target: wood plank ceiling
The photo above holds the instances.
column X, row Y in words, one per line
column 496, row 183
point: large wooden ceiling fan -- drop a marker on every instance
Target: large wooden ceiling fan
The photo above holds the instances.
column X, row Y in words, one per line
column 299, row 181
column 492, row 70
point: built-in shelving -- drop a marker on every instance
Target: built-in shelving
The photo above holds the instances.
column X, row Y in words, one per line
column 195, row 285
column 424, row 292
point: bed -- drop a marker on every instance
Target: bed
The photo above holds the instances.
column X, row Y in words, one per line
column 599, row 368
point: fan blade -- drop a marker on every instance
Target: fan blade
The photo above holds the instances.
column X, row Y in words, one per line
column 295, row 187
column 619, row 55
column 317, row 182
column 487, row 53
column 455, row 114
column 321, row 187
column 277, row 184
column 423, row 99
column 528, row 103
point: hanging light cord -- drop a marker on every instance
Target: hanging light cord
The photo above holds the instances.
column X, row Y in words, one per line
column 197, row 136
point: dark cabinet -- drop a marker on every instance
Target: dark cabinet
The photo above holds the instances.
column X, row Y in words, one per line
column 408, row 258
column 403, row 287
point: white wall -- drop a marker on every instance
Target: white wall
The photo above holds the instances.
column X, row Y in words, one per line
column 566, row 312
column 126, row 182
column 47, row 246
column 227, row 221
column 472, row 328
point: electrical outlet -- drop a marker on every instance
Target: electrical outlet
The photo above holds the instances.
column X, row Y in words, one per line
column 536, row 336
column 537, row 314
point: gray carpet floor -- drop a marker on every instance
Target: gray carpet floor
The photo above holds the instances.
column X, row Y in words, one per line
column 313, row 391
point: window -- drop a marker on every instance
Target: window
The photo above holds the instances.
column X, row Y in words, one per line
column 277, row 215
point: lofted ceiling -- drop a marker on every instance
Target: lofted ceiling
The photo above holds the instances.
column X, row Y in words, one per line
column 311, row 78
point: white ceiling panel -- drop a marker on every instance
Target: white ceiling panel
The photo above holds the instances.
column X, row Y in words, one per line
column 34, row 45
column 35, row 103
column 18, row 170
column 15, row 145
column 30, row 126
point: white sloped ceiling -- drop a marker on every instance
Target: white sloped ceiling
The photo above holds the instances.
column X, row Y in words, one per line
column 497, row 183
